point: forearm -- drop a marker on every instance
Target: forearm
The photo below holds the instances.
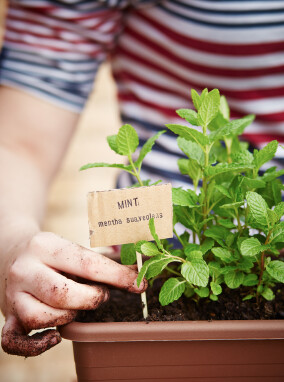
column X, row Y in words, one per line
column 32, row 143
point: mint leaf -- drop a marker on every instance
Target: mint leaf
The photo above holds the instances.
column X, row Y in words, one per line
column 111, row 139
column 222, row 168
column 189, row 115
column 147, row 147
column 192, row 150
column 277, row 235
column 127, row 140
column 224, row 109
column 154, row 234
column 258, row 207
column 234, row 279
column 279, row 210
column 153, row 267
column 276, row 270
column 268, row 294
column 251, row 247
column 235, row 127
column 198, row 99
column 196, row 272
column 189, row 134
column 265, row 155
column 223, row 254
column 223, row 190
column 150, row 249
column 202, row 292
column 102, row 164
column 250, row 280
column 192, row 255
column 209, row 107
column 171, row 290
column 158, row 264
column 128, row 254
column 227, row 223
column 206, row 245
column 182, row 197
column 216, row 288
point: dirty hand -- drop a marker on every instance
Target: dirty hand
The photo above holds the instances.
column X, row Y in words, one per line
column 40, row 294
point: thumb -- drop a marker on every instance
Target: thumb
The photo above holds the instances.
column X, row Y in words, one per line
column 16, row 341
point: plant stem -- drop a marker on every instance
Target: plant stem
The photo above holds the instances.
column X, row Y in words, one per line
column 262, row 261
column 173, row 271
column 136, row 174
column 178, row 237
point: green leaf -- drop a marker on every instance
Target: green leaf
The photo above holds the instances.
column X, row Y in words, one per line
column 232, row 205
column 222, row 168
column 209, row 107
column 192, row 150
column 189, row 115
column 192, row 255
column 223, row 190
column 276, row 269
column 216, row 288
column 153, row 267
column 224, row 108
column 250, row 280
column 243, row 157
column 251, row 247
column 189, row 134
column 157, row 266
column 102, row 164
column 265, row 155
column 268, row 294
column 258, row 207
column 223, row 254
column 128, row 254
column 227, row 223
column 127, row 140
column 182, row 197
column 206, row 245
column 277, row 235
column 197, row 99
column 111, row 139
column 150, row 249
column 253, row 183
column 147, row 147
column 154, row 234
column 248, row 297
column 234, row 279
column 171, row 290
column 202, row 292
column 279, row 210
column 196, row 272
column 139, row 244
column 234, row 127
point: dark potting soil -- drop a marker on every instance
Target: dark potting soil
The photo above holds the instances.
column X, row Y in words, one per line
column 126, row 307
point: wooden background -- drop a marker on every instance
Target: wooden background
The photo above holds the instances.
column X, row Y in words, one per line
column 67, row 214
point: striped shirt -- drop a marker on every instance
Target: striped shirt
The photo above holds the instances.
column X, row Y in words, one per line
column 159, row 50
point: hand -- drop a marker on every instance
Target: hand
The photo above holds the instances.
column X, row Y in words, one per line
column 42, row 291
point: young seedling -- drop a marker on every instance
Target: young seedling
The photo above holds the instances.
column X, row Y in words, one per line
column 232, row 218
column 125, row 143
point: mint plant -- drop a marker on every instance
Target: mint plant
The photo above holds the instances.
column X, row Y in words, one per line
column 231, row 217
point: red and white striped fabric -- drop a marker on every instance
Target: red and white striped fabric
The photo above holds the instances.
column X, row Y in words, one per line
column 159, row 51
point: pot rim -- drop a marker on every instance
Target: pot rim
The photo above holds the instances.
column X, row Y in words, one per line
column 173, row 331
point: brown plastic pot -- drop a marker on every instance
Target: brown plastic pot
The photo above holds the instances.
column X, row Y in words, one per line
column 199, row 351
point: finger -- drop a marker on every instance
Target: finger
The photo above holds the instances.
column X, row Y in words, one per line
column 34, row 314
column 77, row 260
column 58, row 291
column 15, row 340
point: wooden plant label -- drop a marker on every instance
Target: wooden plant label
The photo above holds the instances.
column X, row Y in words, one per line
column 122, row 216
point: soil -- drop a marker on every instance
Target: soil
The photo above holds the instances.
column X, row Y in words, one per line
column 126, row 307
